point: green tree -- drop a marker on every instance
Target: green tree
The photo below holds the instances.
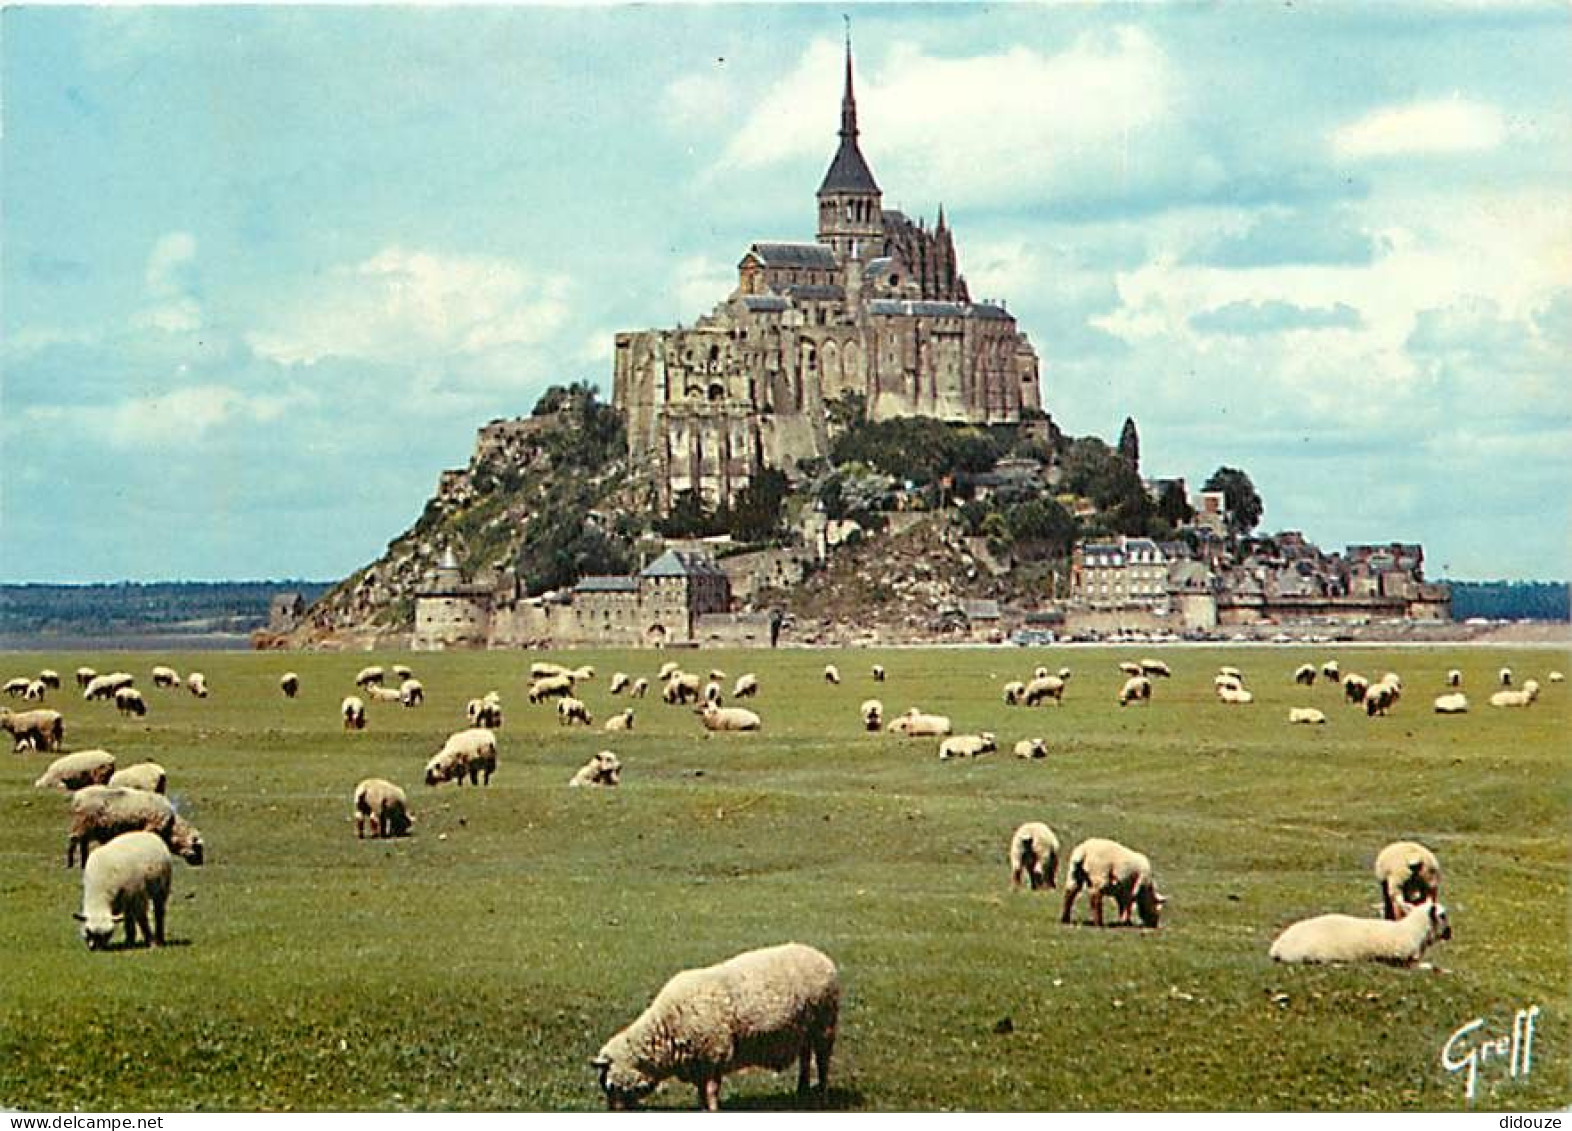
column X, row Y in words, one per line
column 1244, row 504
column 1130, row 444
column 1041, row 528
column 1172, row 507
column 689, row 518
column 755, row 512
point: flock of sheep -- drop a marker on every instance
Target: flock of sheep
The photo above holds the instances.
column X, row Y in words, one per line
column 766, row 1007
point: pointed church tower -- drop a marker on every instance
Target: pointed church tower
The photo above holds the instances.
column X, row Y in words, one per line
column 850, row 213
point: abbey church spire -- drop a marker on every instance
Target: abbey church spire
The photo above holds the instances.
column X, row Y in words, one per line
column 850, row 219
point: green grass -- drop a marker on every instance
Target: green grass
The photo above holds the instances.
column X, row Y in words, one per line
column 479, row 963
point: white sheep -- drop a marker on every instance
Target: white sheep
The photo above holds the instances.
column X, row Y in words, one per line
column 1304, row 675
column 129, row 701
column 624, row 721
column 582, row 674
column 967, row 746
column 1523, row 698
column 550, row 687
column 1234, row 695
column 872, row 711
column 1331, row 672
column 1130, row 667
column 1013, row 691
column 763, row 1008
column 681, row 687
column 1155, row 668
column 832, row 674
column 100, row 813
column 728, row 718
column 196, row 683
column 878, row 673
column 1555, row 677
column 1136, row 689
column 916, row 724
column 667, row 670
column 353, row 711
column 39, row 729
column 717, row 675
column 640, row 687
column 17, row 686
column 1344, row 938
column 35, row 690
column 485, row 711
column 289, row 684
column 1039, row 672
column 468, row 753
column 74, row 771
column 571, row 710
column 367, row 676
column 1355, row 686
column 143, row 775
column 544, row 669
column 85, row 676
column 1454, row 678
column 1049, row 687
column 49, row 678
column 382, row 805
column 746, row 687
column 380, row 694
column 1107, row 867
column 619, row 682
column 402, row 672
column 105, row 686
column 1031, row 748
column 1232, row 671
column 1307, row 715
column 713, row 693
column 1505, row 676
column 125, row 878
column 604, row 770
column 411, row 693
column 1034, row 856
column 164, row 676
column 1454, row 704
column 1408, row 874
column 1219, row 682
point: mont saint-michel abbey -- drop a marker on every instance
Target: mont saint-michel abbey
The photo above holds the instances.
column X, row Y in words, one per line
column 876, row 305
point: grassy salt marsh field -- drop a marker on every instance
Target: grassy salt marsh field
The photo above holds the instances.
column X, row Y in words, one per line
column 480, row 963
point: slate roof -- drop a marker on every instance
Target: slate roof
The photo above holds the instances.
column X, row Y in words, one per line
column 603, row 584
column 849, row 172
column 765, row 304
column 679, row 563
column 814, row 255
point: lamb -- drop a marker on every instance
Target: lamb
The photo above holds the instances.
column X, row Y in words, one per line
column 382, row 805
column 126, row 877
column 39, row 729
column 967, row 746
column 1234, row 695
column 1354, row 687
column 149, row 776
column 872, row 715
column 832, row 674
column 640, row 686
column 878, row 673
column 100, row 813
column 50, row 679
column 1109, row 868
column 746, row 687
column 1304, row 674
column 763, row 1008
column 1136, row 689
column 85, row 676
column 1453, row 704
column 623, row 721
column 1408, row 874
column 1050, row 687
column 196, row 683
column 1454, row 678
column 619, row 682
column 571, row 710
column 289, row 684
column 603, row 770
column 165, row 676
column 380, row 694
column 1031, row 748
column 74, row 771
column 1308, row 715
column 1505, row 676
column 469, row 753
column 1344, row 938
column 401, row 672
column 550, row 687
column 367, row 676
column 1013, row 691
column 129, row 701
column 1130, row 667
column 915, row 724
column 353, row 711
column 728, row 718
column 411, row 693
column 1155, row 668
column 1034, row 856
column 681, row 688
column 1523, row 698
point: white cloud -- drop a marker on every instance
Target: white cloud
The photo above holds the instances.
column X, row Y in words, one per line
column 178, row 417
column 699, row 282
column 1452, row 125
column 698, row 101
column 168, row 275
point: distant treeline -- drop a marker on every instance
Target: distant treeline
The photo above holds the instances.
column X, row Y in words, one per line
column 136, row 608
column 1510, row 600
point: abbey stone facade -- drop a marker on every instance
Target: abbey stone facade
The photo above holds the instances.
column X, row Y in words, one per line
column 877, row 306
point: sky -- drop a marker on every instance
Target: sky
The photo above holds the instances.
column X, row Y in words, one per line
column 264, row 272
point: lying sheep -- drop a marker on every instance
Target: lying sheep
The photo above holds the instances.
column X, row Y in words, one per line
column 916, row 724
column 1304, row 675
column 85, row 676
column 353, row 712
column 550, row 687
column 571, row 710
column 1034, row 856
column 411, row 693
column 746, row 687
column 878, row 673
column 681, row 688
column 1109, row 868
column 129, row 701
column 832, row 674
column 40, row 729
column 469, row 753
column 149, row 776
column 1013, row 692
column 728, row 718
column 196, row 683
column 623, row 721
column 1155, row 668
column 602, row 771
column 1031, row 748
column 1523, row 698
column 380, row 694
column 74, row 771
column 640, row 686
column 164, row 676
column 967, row 746
column 619, row 682
column 1049, row 687
column 382, row 805
column 1454, row 678
column 123, row 880
column 1454, row 704
column 761, row 1009
column 872, row 715
column 1308, row 715
column 1234, row 695
column 289, row 684
column 1344, row 938
column 1136, row 689
column 1408, row 874
column 100, row 813
column 365, row 677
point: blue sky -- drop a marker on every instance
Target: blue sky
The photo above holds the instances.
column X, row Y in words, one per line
column 265, row 271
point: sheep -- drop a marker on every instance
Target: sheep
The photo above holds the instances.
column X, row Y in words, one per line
column 353, row 712
column 915, row 724
column 401, row 672
column 1039, row 672
column 967, row 746
column 126, row 877
column 1034, row 856
column 99, row 813
column 196, row 683
column 1050, row 687
column 411, row 693
column 1304, row 675
column 1013, row 691
column 832, row 674
column 1031, row 748
column 165, row 676
column 582, row 675
column 1408, row 874
column 1344, row 938
column 746, row 687
column 681, row 688
column 105, row 686
column 1235, row 672
column 619, row 682
column 1064, row 674
column 1505, row 676
column 382, row 805
column 1523, row 698
column 1453, row 704
column 367, row 676
column 289, row 684
column 129, row 701
column 878, row 673
column 571, row 710
column 485, row 711
column 550, row 687
column 1136, row 689
column 728, row 718
column 1155, row 668
column 717, row 676
column 760, row 1009
column 603, row 770
column 1555, row 677
column 1454, row 678
column 1234, row 695
column 50, row 679
column 1308, row 715
column 35, row 690
column 1219, row 682
column 1354, row 688
column 85, row 676
column 872, row 712
column 38, row 729
column 640, row 686
column 380, row 694
column 623, row 721
column 17, row 686
column 468, row 753
column 1381, row 697
column 712, row 693
column 1130, row 667
column 1109, row 868
column 667, row 670
column 1331, row 672
column 74, row 771
column 149, row 776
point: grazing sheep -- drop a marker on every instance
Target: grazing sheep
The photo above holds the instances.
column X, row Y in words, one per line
column 1304, row 675
column 746, row 687
column 353, row 711
column 485, row 711
column 1354, row 688
column 1454, row 678
column 1034, row 856
column 39, row 729
column 149, row 776
column 1505, row 676
column 34, row 690
column 85, row 676
column 380, row 694
column 1013, row 691
column 761, row 1009
column 17, row 686
column 129, row 701
column 667, row 670
column 1031, row 748
column 468, row 753
column 165, row 677
column 1408, row 874
column 401, row 672
column 1555, row 677
column 619, row 682
column 126, row 877
column 411, row 693
column 99, row 813
column 603, row 770
column 640, row 686
column 1130, row 667
column 1136, row 689
column 1454, row 704
column 105, row 686
column 872, row 715
column 878, row 673
column 915, row 724
column 196, row 683
column 1234, row 695
column 382, row 805
column 1109, row 868
column 967, row 746
column 571, row 710
column 623, row 721
column 832, row 674
column 289, row 684
column 681, row 688
column 712, row 693
column 728, row 718
column 550, row 687
column 542, row 669
column 1344, row 938
column 1331, row 672
column 1382, row 697
column 717, row 676
column 1155, row 668
column 50, row 679
column 1049, row 687
column 1523, row 698
column 367, row 676
column 74, row 771
column 582, row 675
column 1307, row 715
